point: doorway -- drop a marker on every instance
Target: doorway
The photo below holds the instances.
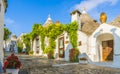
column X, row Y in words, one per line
column 107, row 50
column 61, row 47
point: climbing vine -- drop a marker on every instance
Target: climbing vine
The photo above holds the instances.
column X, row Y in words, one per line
column 26, row 39
column 52, row 32
column 72, row 30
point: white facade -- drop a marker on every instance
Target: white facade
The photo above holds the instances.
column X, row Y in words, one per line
column 37, row 46
column 82, row 42
column 103, row 38
column 66, row 47
column 2, row 11
column 103, row 33
column 92, row 44
column 11, row 44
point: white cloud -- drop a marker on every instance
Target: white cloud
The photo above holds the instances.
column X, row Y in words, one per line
column 91, row 4
column 9, row 21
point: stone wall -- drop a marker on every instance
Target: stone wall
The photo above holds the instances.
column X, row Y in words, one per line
column 1, row 30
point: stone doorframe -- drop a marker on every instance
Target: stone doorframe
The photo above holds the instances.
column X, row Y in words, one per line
column 100, row 38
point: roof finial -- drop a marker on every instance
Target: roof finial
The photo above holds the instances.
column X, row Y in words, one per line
column 84, row 10
column 103, row 17
column 49, row 17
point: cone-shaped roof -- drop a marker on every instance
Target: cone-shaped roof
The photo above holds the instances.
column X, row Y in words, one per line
column 116, row 22
column 88, row 24
column 48, row 21
column 14, row 36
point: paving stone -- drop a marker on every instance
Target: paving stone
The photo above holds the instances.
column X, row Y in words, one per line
column 38, row 65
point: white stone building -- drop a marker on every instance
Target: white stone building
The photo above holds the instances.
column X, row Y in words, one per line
column 11, row 44
column 3, row 6
column 37, row 46
column 100, row 42
column 37, row 43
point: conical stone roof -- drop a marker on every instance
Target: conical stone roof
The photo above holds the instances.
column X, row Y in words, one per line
column 88, row 24
column 116, row 22
column 48, row 22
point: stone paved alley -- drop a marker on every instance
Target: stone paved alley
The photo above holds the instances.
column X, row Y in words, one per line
column 41, row 65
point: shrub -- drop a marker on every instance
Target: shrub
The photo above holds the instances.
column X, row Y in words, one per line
column 50, row 52
column 73, row 55
column 50, row 55
column 31, row 52
column 20, row 47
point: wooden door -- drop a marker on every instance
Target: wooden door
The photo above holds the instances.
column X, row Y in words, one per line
column 107, row 51
column 61, row 47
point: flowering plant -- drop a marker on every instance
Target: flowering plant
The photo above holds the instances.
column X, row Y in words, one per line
column 12, row 62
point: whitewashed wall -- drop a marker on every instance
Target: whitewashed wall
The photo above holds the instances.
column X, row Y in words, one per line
column 35, row 48
column 56, row 50
column 76, row 17
column 66, row 48
column 83, row 38
column 106, row 29
column 1, row 30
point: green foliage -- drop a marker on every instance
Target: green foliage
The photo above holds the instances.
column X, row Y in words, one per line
column 37, row 30
column 26, row 39
column 20, row 46
column 7, row 33
column 42, row 42
column 73, row 34
column 52, row 32
column 31, row 52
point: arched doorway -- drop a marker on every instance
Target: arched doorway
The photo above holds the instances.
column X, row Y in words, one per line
column 105, row 44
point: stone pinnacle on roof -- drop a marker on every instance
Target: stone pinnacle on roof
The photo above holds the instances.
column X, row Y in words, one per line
column 84, row 10
column 49, row 17
column 48, row 21
column 88, row 24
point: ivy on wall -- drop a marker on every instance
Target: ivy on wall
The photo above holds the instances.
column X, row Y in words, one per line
column 52, row 32
column 72, row 30
column 26, row 40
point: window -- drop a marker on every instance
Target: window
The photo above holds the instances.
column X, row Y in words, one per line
column 80, row 43
column 82, row 25
column 37, row 41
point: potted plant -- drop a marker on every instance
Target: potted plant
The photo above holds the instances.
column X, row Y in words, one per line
column 73, row 55
column 12, row 64
column 83, row 60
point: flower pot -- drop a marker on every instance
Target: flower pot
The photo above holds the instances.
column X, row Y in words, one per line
column 83, row 61
column 12, row 71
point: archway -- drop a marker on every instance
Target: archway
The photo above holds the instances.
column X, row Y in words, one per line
column 105, row 47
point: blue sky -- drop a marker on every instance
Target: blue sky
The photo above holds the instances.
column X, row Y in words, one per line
column 22, row 14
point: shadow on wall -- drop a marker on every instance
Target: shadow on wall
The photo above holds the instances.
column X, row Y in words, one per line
column 116, row 41
column 96, row 34
column 1, row 70
column 67, row 51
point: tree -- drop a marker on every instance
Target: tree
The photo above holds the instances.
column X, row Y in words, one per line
column 7, row 34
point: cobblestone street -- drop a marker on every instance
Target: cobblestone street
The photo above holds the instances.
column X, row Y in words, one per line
column 41, row 65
